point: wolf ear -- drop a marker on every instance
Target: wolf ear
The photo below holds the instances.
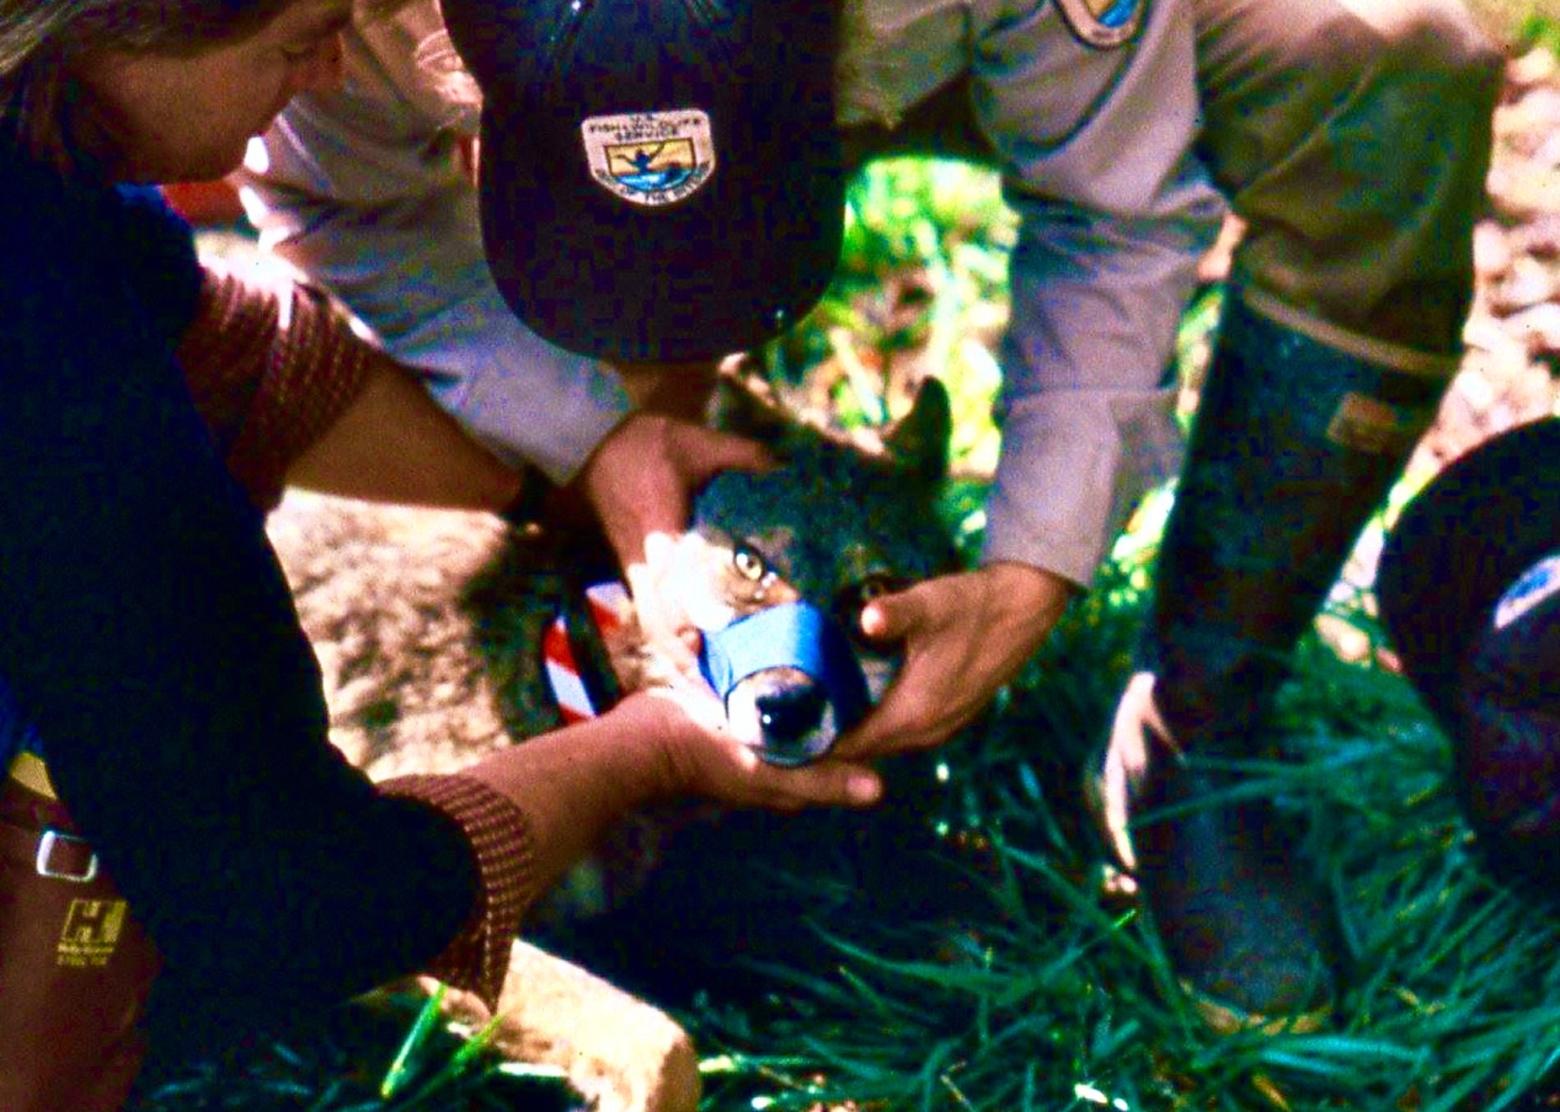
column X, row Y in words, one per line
column 919, row 441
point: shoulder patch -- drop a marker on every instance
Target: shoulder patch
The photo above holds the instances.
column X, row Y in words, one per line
column 650, row 158
column 1103, row 24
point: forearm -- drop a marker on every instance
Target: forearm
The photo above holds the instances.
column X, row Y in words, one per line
column 1088, row 404
column 293, row 395
column 573, row 784
column 364, row 198
column 393, row 444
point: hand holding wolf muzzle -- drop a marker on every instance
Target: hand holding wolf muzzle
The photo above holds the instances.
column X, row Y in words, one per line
column 964, row 636
column 641, row 483
column 713, row 764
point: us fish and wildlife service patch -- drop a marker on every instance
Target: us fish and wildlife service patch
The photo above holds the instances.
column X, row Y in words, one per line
column 650, row 158
column 1103, row 24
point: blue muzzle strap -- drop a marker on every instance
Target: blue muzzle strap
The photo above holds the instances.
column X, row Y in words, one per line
column 791, row 635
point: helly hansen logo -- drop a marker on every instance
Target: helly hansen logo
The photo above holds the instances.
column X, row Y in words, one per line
column 92, row 929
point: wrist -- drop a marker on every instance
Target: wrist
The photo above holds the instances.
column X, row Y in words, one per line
column 654, row 731
column 1026, row 589
column 632, row 432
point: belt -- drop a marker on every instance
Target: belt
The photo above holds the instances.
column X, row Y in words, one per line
column 40, row 830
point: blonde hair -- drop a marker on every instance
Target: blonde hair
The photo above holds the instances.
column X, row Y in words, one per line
column 39, row 39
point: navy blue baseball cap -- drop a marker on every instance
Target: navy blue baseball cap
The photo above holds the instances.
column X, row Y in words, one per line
column 661, row 180
column 1461, row 550
column 1469, row 588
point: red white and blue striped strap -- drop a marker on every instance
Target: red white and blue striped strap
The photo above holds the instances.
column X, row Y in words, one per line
column 605, row 604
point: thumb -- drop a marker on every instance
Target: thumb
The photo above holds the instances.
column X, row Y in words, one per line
column 893, row 617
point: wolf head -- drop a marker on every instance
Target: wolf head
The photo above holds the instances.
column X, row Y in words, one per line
column 777, row 566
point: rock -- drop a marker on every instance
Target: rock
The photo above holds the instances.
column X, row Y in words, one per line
column 1538, row 329
column 1528, row 122
column 620, row 1053
column 1537, row 67
column 1540, row 237
column 1529, row 282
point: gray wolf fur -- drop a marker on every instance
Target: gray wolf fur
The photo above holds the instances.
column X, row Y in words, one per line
column 835, row 524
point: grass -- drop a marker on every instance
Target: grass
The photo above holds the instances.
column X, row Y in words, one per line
column 1034, row 992
column 1015, row 983
column 956, row 950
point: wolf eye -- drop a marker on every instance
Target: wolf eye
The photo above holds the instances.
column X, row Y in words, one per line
column 878, row 585
column 749, row 564
column 849, row 602
column 875, row 586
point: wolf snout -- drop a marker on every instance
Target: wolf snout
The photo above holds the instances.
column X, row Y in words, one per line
column 787, row 714
column 784, row 713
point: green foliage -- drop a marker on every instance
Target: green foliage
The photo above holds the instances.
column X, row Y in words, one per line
column 1016, row 980
column 1522, row 23
column 382, row 1053
column 1041, row 993
column 1541, row 28
column 921, row 289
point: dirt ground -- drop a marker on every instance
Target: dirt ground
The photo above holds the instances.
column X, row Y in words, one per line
column 379, row 588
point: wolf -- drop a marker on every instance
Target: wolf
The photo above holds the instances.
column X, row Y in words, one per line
column 774, row 571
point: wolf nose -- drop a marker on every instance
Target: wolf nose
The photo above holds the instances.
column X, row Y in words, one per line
column 791, row 712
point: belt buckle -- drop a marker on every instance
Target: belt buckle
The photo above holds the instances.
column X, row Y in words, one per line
column 46, row 843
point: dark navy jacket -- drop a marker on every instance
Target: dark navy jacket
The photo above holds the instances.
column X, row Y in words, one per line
column 149, row 644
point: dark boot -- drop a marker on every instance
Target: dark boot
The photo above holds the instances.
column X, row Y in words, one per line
column 1295, row 444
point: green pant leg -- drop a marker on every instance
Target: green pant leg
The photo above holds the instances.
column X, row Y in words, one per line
column 1353, row 136
column 1354, row 140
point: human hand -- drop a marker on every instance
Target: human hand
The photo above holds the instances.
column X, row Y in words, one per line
column 574, row 782
column 696, row 757
column 641, row 481
column 965, row 635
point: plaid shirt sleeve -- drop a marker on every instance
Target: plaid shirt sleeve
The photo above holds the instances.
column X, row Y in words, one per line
column 478, row 958
column 270, row 369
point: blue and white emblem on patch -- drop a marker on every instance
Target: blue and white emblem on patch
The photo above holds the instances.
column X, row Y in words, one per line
column 1531, row 588
column 650, row 158
column 1103, row 24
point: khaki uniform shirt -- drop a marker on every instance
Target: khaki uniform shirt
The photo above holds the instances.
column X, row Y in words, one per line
column 363, row 189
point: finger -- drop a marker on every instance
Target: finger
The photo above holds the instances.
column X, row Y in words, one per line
column 884, row 738
column 919, row 711
column 830, row 783
column 723, row 451
column 899, row 723
column 680, row 649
